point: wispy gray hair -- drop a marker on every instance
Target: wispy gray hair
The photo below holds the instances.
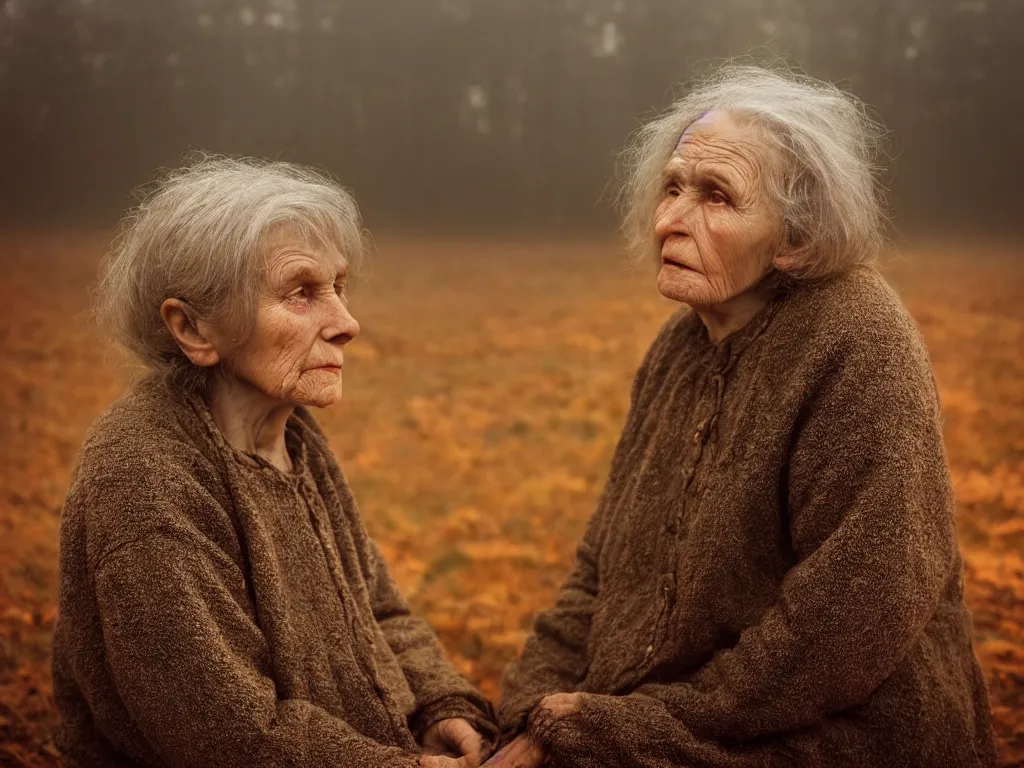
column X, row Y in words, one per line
column 821, row 175
column 198, row 234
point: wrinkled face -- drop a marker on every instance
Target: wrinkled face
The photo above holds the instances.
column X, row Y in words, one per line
column 294, row 353
column 718, row 234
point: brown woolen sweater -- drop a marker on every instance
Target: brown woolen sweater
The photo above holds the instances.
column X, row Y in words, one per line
column 771, row 577
column 215, row 611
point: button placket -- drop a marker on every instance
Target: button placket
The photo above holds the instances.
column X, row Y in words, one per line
column 667, row 580
column 332, row 557
column 366, row 661
column 677, row 527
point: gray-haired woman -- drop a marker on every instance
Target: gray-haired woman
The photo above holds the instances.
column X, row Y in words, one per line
column 771, row 577
column 220, row 601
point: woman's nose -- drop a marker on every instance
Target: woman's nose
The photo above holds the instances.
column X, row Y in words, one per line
column 341, row 327
column 670, row 218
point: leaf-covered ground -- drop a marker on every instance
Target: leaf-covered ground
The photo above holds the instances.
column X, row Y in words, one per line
column 482, row 404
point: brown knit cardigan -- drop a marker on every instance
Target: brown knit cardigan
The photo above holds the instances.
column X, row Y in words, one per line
column 215, row 611
column 771, row 577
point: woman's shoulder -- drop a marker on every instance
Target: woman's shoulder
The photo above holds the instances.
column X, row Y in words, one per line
column 856, row 318
column 149, row 424
column 144, row 466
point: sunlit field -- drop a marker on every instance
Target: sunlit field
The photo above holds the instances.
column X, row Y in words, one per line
column 482, row 404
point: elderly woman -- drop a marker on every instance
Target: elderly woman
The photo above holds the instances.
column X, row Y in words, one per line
column 220, row 601
column 771, row 577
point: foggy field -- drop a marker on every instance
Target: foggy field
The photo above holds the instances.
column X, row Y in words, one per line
column 483, row 401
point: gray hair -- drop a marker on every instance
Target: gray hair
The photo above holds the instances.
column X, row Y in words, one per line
column 821, row 176
column 197, row 235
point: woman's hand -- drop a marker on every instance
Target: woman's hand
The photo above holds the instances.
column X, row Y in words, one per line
column 454, row 737
column 521, row 753
column 560, row 704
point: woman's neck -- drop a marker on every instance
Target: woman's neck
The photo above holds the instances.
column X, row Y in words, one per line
column 251, row 422
column 723, row 320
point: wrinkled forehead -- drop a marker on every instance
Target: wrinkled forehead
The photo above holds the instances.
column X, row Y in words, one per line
column 288, row 244
column 717, row 137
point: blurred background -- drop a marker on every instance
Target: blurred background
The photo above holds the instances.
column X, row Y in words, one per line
column 501, row 324
column 494, row 115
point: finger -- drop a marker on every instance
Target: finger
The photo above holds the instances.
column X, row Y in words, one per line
column 531, row 756
column 499, row 757
column 458, row 736
column 521, row 753
column 536, row 757
column 431, row 744
column 466, row 739
column 434, row 744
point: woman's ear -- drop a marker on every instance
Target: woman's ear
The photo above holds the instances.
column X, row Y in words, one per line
column 787, row 258
column 191, row 334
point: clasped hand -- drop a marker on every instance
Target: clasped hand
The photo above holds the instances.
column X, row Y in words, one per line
column 455, row 743
column 523, row 752
column 452, row 743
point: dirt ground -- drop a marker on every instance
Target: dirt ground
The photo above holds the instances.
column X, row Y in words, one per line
column 482, row 404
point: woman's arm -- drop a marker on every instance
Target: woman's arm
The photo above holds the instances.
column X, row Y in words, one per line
column 193, row 668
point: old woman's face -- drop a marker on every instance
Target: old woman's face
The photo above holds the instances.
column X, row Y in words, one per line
column 718, row 234
column 294, row 354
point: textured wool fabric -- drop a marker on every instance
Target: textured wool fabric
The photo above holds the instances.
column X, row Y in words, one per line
column 215, row 611
column 771, row 577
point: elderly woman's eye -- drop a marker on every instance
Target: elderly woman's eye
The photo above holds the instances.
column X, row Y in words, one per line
column 718, row 197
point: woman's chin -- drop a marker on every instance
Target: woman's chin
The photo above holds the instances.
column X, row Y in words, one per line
column 326, row 400
column 319, row 398
column 318, row 388
column 679, row 284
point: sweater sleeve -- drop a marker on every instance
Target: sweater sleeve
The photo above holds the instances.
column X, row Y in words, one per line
column 192, row 666
column 872, row 530
column 440, row 691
